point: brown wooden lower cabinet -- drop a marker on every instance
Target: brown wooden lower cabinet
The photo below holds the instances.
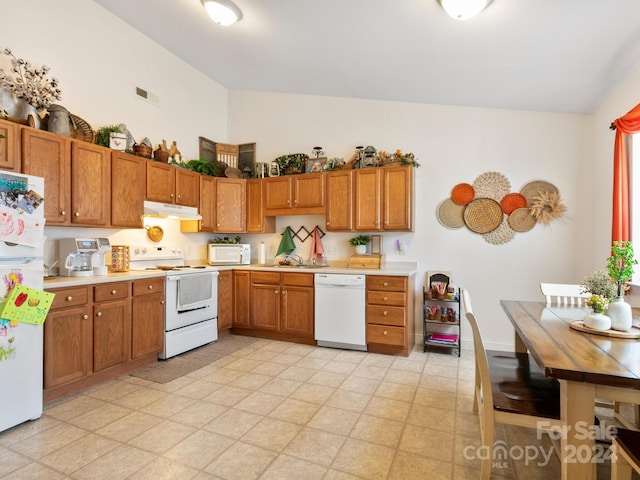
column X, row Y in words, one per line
column 225, row 301
column 390, row 314
column 147, row 317
column 281, row 306
column 98, row 332
column 68, row 337
column 241, row 298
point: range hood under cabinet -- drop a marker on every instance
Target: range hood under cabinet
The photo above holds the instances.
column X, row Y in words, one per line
column 158, row 209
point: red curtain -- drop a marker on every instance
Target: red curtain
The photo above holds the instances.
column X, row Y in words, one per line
column 628, row 124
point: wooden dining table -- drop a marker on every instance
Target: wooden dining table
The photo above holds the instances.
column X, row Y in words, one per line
column 588, row 366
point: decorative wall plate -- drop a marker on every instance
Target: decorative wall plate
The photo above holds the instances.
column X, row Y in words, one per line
column 483, row 215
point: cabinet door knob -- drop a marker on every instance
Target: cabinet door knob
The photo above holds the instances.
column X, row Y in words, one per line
column 276, row 291
column 85, row 316
column 77, row 214
column 384, row 313
column 150, row 287
column 385, row 298
column 386, row 284
column 179, row 196
column 63, row 213
column 284, row 292
column 69, row 298
column 161, row 302
column 217, row 225
column 385, row 332
column 99, row 314
column 113, row 292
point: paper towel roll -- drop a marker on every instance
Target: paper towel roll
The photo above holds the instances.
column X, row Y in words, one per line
column 262, row 254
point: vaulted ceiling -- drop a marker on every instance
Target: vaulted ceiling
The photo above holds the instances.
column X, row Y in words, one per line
column 541, row 55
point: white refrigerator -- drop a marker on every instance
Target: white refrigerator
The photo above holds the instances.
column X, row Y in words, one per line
column 21, row 262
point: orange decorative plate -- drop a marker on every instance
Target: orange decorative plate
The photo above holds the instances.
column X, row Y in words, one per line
column 512, row 201
column 463, row 193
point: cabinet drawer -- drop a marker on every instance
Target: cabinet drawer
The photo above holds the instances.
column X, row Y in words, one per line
column 270, row 278
column 110, row 291
column 298, row 279
column 386, row 298
column 386, row 315
column 148, row 286
column 386, row 335
column 70, row 297
column 387, row 284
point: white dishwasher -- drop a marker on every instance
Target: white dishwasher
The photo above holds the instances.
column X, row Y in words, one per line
column 340, row 307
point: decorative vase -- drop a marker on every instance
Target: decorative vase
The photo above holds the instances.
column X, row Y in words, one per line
column 620, row 313
column 19, row 109
column 597, row 321
column 361, row 249
column 59, row 120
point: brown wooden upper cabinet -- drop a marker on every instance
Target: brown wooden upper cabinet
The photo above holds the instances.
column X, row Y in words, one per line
column 9, row 146
column 90, row 184
column 169, row 184
column 339, row 193
column 383, row 199
column 77, row 177
column 128, row 178
column 257, row 222
column 397, row 198
column 295, row 195
column 222, row 206
column 229, row 201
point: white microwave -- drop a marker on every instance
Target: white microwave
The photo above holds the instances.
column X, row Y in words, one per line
column 229, row 254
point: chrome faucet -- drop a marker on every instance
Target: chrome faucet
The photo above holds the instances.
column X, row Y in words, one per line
column 295, row 258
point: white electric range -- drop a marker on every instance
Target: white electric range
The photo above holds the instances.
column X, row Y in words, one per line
column 191, row 297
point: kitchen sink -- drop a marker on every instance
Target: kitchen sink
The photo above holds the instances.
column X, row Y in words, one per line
column 299, row 267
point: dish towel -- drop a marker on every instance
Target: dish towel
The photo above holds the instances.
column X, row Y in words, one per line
column 287, row 245
column 317, row 250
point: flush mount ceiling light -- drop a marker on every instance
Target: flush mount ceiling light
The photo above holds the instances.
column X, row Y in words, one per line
column 223, row 12
column 464, row 9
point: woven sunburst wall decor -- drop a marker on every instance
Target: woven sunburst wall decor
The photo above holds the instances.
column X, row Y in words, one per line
column 489, row 207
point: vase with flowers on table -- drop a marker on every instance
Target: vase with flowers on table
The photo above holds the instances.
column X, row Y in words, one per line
column 620, row 266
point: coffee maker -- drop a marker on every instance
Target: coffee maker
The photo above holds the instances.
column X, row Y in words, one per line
column 76, row 256
column 98, row 258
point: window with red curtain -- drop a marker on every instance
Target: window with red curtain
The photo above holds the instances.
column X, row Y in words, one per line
column 624, row 126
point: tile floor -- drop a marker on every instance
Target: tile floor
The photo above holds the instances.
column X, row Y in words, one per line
column 273, row 410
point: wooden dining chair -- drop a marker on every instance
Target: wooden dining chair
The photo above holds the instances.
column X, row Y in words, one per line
column 564, row 294
column 625, row 454
column 509, row 389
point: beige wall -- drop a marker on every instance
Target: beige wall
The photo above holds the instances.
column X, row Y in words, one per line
column 453, row 144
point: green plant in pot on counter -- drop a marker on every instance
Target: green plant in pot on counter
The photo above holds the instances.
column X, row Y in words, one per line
column 360, row 240
column 360, row 243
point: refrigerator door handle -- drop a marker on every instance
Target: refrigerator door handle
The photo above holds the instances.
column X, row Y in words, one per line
column 16, row 260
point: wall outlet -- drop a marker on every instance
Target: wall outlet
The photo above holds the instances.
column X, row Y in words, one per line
column 333, row 249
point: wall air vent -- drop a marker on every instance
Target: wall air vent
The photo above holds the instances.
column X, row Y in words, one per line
column 147, row 96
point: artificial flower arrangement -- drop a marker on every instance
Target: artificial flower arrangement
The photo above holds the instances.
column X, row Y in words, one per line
column 599, row 283
column 383, row 158
column 30, row 83
column 598, row 303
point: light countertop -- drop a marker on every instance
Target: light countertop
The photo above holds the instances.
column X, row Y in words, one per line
column 393, row 269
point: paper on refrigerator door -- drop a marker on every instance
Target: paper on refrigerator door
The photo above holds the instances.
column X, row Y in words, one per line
column 21, row 210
